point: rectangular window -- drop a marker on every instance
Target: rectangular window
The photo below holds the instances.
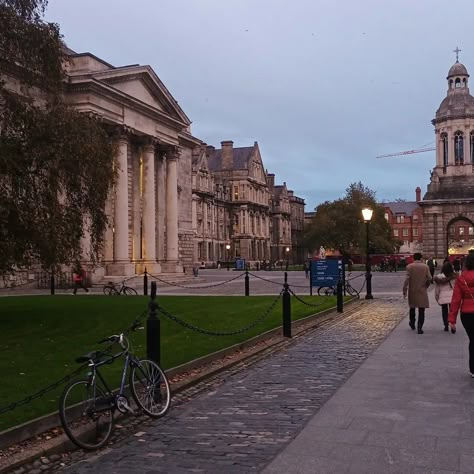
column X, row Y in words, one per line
column 415, row 232
column 461, row 230
column 386, row 216
column 395, row 232
column 405, row 232
column 415, row 217
column 471, row 230
column 236, row 193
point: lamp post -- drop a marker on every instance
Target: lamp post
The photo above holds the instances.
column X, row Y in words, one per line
column 367, row 215
column 227, row 247
column 287, row 250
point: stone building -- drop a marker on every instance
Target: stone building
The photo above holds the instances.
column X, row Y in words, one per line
column 297, row 217
column 448, row 205
column 150, row 206
column 280, row 220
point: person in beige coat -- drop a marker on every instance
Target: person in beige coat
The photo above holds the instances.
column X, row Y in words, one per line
column 417, row 281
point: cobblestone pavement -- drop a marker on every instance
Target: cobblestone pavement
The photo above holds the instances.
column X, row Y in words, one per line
column 244, row 418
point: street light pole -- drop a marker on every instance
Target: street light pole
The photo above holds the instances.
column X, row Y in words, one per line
column 227, row 247
column 287, row 257
column 367, row 215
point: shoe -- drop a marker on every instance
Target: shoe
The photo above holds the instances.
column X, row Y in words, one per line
column 412, row 325
column 472, row 375
column 420, row 331
column 446, row 328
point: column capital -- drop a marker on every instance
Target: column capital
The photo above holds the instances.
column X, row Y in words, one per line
column 121, row 133
column 173, row 153
column 149, row 143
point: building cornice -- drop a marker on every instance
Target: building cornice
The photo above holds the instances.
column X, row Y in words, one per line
column 451, row 117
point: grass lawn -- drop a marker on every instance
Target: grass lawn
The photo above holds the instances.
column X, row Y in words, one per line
column 42, row 335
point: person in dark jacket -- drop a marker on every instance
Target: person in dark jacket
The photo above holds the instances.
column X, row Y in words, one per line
column 431, row 266
column 463, row 299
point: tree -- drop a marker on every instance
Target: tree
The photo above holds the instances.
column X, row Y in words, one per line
column 338, row 224
column 55, row 163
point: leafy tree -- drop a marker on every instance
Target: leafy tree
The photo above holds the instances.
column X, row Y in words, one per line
column 339, row 225
column 55, row 163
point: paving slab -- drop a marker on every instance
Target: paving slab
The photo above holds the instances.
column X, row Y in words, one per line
column 409, row 408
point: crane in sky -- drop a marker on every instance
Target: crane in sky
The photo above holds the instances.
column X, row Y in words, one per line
column 422, row 149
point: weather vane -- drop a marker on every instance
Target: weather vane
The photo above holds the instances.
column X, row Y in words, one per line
column 457, row 51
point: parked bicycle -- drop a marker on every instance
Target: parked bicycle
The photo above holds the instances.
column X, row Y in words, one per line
column 87, row 406
column 332, row 290
column 110, row 289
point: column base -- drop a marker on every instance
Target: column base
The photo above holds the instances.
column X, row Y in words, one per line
column 152, row 267
column 171, row 266
column 125, row 269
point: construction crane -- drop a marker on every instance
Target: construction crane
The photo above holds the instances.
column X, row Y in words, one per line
column 409, row 152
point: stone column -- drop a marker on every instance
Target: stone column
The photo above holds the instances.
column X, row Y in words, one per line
column 148, row 206
column 467, row 146
column 121, row 265
column 160, row 207
column 171, row 264
column 450, row 148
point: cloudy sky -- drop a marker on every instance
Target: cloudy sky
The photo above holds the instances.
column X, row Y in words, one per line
column 323, row 86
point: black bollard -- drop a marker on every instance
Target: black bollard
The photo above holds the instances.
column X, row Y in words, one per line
column 247, row 283
column 286, row 278
column 52, row 284
column 310, row 280
column 145, row 283
column 153, row 330
column 340, row 299
column 286, row 306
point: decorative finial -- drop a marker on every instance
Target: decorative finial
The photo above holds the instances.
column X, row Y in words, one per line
column 457, row 51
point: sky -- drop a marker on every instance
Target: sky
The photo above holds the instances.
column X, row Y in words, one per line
column 322, row 86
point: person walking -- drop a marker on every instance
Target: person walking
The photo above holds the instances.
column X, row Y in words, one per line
column 78, row 277
column 306, row 268
column 463, row 299
column 431, row 266
column 417, row 281
column 444, row 289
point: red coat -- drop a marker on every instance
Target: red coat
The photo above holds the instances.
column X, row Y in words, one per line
column 463, row 295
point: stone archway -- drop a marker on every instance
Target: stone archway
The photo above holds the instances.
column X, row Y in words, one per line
column 459, row 236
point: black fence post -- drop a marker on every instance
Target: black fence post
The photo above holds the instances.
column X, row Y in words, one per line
column 52, row 284
column 153, row 330
column 286, row 303
column 247, row 283
column 310, row 279
column 145, row 283
column 340, row 299
column 286, row 278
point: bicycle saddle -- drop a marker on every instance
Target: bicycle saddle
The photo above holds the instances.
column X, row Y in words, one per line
column 95, row 356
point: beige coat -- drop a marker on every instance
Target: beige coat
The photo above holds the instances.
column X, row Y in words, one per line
column 417, row 281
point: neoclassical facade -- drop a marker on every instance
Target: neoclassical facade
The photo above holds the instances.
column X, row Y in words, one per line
column 150, row 206
column 448, row 205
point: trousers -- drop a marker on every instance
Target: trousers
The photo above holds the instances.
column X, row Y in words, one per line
column 467, row 320
column 421, row 316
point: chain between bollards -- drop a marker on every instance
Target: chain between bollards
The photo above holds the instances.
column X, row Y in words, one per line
column 145, row 283
column 286, row 309
column 247, row 283
column 153, row 330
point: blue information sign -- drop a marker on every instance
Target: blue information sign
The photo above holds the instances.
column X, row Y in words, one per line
column 240, row 263
column 326, row 272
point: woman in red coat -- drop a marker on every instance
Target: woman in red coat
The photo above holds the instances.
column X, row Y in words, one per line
column 463, row 299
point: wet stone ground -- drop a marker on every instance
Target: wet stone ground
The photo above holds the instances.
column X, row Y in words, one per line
column 238, row 421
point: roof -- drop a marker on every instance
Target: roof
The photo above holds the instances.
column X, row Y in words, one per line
column 403, row 207
column 455, row 104
column 457, row 69
column 240, row 158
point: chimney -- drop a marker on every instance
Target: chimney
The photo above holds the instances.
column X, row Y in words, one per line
column 227, row 155
column 271, row 181
column 210, row 150
column 418, row 194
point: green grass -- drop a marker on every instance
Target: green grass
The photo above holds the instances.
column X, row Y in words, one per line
column 42, row 335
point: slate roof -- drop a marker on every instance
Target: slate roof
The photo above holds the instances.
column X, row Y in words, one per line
column 407, row 207
column 457, row 69
column 240, row 156
column 456, row 103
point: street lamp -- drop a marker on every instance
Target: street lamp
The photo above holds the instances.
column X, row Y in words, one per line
column 367, row 215
column 227, row 247
column 287, row 257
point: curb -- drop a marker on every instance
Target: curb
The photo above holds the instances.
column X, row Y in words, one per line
column 271, row 343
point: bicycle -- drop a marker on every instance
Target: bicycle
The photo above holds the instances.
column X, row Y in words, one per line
column 332, row 290
column 87, row 406
column 111, row 290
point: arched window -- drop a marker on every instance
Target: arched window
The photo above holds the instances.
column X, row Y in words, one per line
column 464, row 82
column 450, row 83
column 472, row 146
column 444, row 144
column 458, row 148
column 457, row 84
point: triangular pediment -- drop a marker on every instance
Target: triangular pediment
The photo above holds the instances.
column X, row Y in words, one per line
column 258, row 170
column 141, row 83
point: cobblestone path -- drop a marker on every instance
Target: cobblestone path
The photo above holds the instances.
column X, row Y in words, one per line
column 241, row 422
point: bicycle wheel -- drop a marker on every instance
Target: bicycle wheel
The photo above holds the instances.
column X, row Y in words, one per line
column 129, row 291
column 351, row 291
column 150, row 388
column 87, row 421
column 109, row 291
column 326, row 291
